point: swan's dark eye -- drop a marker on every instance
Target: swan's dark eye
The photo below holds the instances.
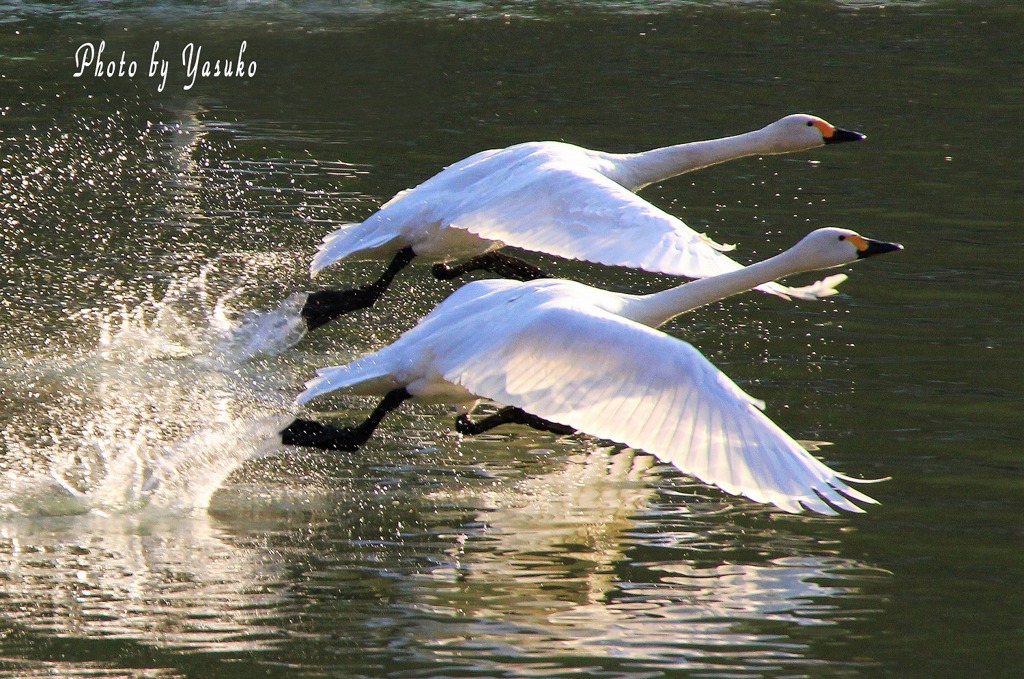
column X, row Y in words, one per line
column 810, row 123
column 842, row 238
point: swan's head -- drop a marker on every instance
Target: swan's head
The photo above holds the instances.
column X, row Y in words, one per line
column 801, row 131
column 830, row 247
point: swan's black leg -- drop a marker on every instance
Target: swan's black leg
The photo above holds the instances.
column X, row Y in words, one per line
column 509, row 415
column 323, row 306
column 313, row 434
column 504, row 265
column 325, row 437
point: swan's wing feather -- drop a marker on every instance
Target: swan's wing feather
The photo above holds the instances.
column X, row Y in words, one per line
column 616, row 379
column 580, row 214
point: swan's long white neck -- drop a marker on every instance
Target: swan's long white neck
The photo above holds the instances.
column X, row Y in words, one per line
column 637, row 170
column 658, row 308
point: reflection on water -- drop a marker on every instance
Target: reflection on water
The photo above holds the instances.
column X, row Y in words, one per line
column 520, row 569
column 581, row 508
column 170, row 582
column 556, row 564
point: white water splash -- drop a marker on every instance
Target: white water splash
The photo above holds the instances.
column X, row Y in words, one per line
column 265, row 333
column 188, row 474
column 172, row 399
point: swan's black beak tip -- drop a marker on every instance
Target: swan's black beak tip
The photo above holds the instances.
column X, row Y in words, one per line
column 877, row 247
column 840, row 135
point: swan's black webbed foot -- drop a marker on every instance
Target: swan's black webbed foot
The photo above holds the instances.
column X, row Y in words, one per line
column 322, row 436
column 444, row 272
column 323, row 306
column 509, row 415
column 495, row 262
column 325, row 437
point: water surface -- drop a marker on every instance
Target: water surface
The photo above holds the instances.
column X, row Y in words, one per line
column 150, row 525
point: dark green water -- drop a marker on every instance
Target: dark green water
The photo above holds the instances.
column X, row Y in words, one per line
column 142, row 228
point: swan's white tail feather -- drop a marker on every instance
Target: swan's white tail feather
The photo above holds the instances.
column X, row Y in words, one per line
column 365, row 372
column 346, row 241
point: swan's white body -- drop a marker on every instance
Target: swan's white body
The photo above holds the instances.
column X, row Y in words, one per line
column 590, row 359
column 567, row 201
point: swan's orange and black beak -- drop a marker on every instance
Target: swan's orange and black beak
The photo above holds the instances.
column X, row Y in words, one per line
column 867, row 247
column 837, row 135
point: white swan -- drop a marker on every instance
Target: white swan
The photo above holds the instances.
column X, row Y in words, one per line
column 565, row 356
column 555, row 198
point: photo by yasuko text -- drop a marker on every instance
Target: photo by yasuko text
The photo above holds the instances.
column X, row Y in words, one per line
column 95, row 61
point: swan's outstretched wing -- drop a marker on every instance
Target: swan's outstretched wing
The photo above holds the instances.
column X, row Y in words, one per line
column 619, row 380
column 580, row 214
